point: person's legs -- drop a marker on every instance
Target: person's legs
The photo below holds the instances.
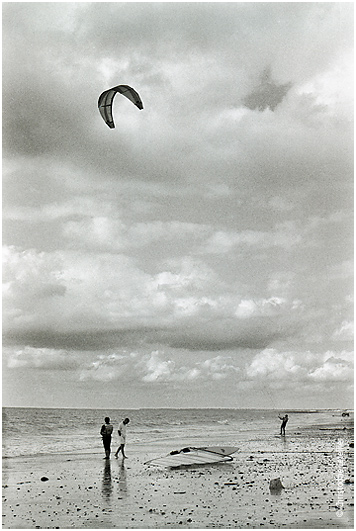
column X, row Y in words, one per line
column 118, row 450
column 107, row 444
column 122, row 450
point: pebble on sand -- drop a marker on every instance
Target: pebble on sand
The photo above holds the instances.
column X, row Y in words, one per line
column 275, row 484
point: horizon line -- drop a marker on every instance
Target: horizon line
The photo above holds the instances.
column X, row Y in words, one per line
column 311, row 409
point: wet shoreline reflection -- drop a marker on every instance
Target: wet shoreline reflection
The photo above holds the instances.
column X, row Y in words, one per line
column 122, row 480
column 107, row 486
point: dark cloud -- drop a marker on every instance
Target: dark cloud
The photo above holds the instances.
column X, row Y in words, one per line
column 88, row 340
column 215, row 341
column 228, row 334
column 268, row 94
column 255, row 333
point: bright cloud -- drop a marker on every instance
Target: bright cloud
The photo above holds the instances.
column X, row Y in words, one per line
column 272, row 365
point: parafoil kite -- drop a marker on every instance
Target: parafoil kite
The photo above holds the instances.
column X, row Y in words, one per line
column 106, row 100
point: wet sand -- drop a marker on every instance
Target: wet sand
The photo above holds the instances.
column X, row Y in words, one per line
column 85, row 491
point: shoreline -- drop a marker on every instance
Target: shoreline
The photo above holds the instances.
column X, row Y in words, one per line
column 85, row 491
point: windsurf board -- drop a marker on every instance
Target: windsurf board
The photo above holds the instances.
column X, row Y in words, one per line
column 194, row 456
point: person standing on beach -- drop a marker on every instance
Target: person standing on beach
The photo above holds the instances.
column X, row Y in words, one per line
column 105, row 432
column 284, row 423
column 122, row 438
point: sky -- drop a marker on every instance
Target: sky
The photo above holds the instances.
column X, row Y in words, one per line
column 200, row 253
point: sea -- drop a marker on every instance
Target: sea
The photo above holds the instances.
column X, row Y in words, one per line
column 38, row 432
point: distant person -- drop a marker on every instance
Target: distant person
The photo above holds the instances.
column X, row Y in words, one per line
column 122, row 438
column 284, row 423
column 105, row 432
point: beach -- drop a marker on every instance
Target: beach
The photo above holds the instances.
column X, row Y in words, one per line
column 84, row 491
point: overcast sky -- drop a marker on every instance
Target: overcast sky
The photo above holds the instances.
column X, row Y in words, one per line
column 200, row 253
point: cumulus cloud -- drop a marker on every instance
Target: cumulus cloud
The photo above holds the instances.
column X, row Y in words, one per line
column 108, row 367
column 303, row 367
column 156, row 368
column 271, row 306
column 333, row 370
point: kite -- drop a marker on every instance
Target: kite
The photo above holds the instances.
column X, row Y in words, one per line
column 106, row 100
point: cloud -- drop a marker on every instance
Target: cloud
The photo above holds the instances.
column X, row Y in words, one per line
column 345, row 332
column 304, row 367
column 218, row 220
column 108, row 367
column 32, row 284
column 41, row 358
column 334, row 369
column 267, row 95
column 269, row 368
column 111, row 234
column 157, row 368
column 286, row 235
column 73, row 300
column 271, row 306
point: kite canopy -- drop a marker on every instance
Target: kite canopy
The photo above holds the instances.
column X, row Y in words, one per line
column 106, row 100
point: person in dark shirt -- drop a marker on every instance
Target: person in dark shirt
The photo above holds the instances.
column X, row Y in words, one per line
column 284, row 423
column 105, row 432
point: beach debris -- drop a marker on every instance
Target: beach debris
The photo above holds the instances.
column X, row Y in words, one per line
column 275, row 484
column 351, row 445
column 44, row 478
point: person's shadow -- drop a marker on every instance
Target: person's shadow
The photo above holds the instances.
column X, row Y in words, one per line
column 107, row 482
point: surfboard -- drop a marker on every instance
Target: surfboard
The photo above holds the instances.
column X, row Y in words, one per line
column 194, row 456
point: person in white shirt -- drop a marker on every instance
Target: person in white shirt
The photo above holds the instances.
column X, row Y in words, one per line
column 122, row 438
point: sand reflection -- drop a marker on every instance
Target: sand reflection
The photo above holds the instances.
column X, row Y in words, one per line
column 107, row 481
column 122, row 480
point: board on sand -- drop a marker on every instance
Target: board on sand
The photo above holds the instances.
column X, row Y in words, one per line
column 224, row 450
column 195, row 456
